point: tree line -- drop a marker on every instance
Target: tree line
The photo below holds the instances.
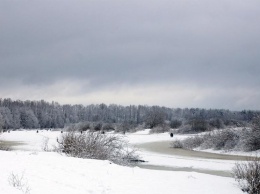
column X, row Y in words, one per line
column 16, row 114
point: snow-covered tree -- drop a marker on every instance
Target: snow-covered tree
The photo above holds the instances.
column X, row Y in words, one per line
column 16, row 118
column 28, row 119
column 1, row 122
column 155, row 117
column 7, row 117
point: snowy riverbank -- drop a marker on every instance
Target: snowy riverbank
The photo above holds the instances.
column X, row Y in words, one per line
column 47, row 172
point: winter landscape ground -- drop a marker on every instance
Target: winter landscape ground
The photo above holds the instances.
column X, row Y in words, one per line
column 42, row 172
column 113, row 74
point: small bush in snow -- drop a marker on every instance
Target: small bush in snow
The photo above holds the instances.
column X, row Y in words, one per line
column 125, row 127
column 192, row 142
column 184, row 129
column 98, row 126
column 95, row 145
column 189, row 143
column 250, row 140
column 160, row 129
column 199, row 125
column 247, row 174
column 83, row 126
column 245, row 140
column 225, row 139
column 45, row 146
column 19, row 182
column 177, row 144
column 216, row 123
column 108, row 127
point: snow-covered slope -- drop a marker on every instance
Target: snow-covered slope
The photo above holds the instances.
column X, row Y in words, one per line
column 53, row 173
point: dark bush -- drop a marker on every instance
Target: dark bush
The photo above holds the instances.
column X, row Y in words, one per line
column 160, row 129
column 216, row 123
column 84, row 126
column 234, row 123
column 249, row 140
column 98, row 126
column 199, row 125
column 174, row 124
column 108, row 127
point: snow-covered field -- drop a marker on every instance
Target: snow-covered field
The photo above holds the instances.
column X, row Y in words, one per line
column 49, row 172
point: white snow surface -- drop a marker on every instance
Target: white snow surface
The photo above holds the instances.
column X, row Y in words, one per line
column 52, row 173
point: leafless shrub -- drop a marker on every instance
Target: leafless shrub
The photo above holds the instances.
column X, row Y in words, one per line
column 160, row 128
column 98, row 126
column 19, row 182
column 216, row 123
column 82, row 126
column 108, row 127
column 73, row 127
column 225, row 139
column 189, row 143
column 192, row 142
column 95, row 145
column 45, row 143
column 185, row 129
column 139, row 127
column 177, row 144
column 199, row 125
column 247, row 174
column 249, row 140
column 174, row 124
column 250, row 137
column 125, row 127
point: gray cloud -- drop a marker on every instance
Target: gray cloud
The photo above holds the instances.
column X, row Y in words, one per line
column 110, row 45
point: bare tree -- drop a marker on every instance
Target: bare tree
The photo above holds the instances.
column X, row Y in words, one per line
column 154, row 117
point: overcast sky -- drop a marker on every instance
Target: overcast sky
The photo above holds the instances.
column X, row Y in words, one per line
column 174, row 53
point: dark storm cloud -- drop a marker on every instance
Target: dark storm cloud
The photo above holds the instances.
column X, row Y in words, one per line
column 109, row 43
